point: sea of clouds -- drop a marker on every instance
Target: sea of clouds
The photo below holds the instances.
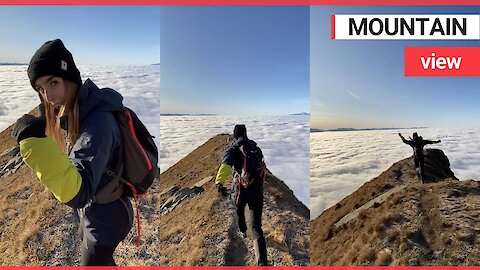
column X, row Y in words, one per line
column 139, row 85
column 284, row 141
column 341, row 162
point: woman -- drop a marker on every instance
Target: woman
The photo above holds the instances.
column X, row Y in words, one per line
column 70, row 146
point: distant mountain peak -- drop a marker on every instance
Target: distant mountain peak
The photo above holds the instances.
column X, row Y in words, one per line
column 12, row 64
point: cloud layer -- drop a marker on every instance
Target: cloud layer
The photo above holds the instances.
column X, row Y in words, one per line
column 17, row 97
column 284, row 141
column 139, row 85
column 343, row 161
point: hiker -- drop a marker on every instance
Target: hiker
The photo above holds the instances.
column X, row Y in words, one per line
column 70, row 146
column 417, row 143
column 245, row 159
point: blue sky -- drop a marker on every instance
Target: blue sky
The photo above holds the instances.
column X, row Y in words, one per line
column 361, row 83
column 235, row 60
column 103, row 35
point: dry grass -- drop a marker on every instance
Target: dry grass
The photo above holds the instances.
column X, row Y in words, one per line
column 271, row 231
column 24, row 219
column 182, row 241
column 184, row 229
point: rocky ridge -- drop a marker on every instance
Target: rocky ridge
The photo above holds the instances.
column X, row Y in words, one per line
column 394, row 219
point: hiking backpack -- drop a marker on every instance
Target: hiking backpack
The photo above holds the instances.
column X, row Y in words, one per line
column 253, row 165
column 140, row 154
column 137, row 167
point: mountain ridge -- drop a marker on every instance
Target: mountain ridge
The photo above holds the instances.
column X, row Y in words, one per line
column 200, row 225
column 394, row 219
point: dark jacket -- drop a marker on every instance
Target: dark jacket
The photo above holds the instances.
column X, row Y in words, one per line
column 418, row 145
column 99, row 139
column 97, row 149
column 232, row 155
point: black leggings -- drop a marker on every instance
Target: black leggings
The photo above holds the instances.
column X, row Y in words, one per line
column 97, row 256
column 420, row 164
column 102, row 227
column 255, row 205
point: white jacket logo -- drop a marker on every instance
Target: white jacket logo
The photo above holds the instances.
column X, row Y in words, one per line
column 86, row 142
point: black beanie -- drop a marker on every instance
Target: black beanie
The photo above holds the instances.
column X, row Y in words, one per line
column 239, row 131
column 53, row 59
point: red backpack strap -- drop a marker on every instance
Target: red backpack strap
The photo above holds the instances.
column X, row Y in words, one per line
column 137, row 213
column 134, row 135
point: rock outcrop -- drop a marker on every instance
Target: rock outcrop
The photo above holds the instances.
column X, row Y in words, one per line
column 199, row 226
column 395, row 220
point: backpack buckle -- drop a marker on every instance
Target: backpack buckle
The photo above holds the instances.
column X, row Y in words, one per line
column 110, row 173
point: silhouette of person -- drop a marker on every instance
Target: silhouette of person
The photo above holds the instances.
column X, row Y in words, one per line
column 417, row 143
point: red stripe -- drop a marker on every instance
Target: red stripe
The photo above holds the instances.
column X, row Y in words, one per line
column 246, row 2
column 238, row 195
column 132, row 131
column 333, row 26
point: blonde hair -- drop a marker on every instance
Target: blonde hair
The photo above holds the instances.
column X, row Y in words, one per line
column 70, row 111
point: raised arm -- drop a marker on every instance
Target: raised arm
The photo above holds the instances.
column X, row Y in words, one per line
column 431, row 142
column 409, row 142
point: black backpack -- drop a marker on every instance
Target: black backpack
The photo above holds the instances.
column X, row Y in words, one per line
column 139, row 167
column 253, row 165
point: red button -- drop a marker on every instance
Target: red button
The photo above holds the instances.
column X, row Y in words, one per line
column 442, row 61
